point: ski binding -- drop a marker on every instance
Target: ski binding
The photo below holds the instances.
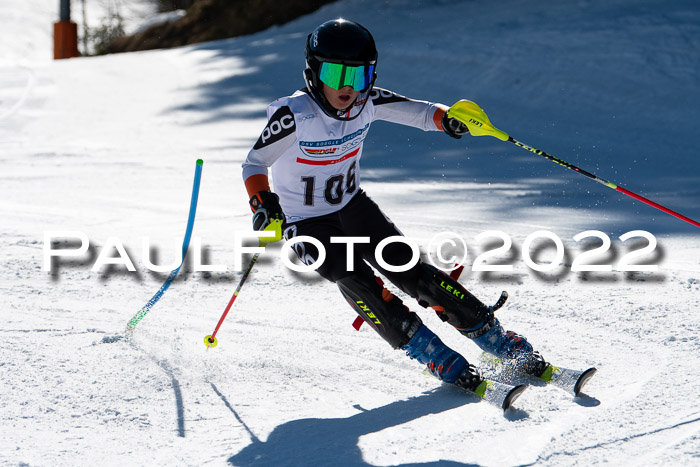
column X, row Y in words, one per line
column 571, row 381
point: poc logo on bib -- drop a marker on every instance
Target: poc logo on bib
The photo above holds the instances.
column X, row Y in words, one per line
column 276, row 127
column 280, row 125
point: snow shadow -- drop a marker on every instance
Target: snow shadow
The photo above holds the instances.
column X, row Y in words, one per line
column 260, row 72
column 175, row 384
column 256, row 70
column 333, row 441
column 269, row 65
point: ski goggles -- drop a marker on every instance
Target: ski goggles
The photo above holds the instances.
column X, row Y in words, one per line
column 337, row 75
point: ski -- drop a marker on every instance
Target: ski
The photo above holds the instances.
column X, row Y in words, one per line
column 571, row 381
column 567, row 379
column 500, row 394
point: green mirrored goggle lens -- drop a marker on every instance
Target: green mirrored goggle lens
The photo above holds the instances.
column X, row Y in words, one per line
column 337, row 75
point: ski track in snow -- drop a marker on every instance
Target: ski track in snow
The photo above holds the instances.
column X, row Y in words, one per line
column 107, row 146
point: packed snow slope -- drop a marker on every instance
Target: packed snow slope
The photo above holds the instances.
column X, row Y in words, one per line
column 107, row 147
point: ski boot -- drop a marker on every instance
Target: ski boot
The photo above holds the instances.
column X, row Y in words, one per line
column 512, row 349
column 442, row 362
column 450, row 367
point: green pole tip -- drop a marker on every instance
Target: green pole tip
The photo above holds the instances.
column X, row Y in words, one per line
column 200, row 162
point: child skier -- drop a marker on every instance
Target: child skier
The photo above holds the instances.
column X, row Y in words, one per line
column 313, row 144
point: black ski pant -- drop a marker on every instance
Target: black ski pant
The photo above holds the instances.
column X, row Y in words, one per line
column 361, row 217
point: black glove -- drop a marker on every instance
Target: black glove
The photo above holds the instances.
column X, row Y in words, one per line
column 266, row 208
column 454, row 127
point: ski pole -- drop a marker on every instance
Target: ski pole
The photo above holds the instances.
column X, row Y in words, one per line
column 478, row 123
column 275, row 226
column 185, row 245
column 210, row 341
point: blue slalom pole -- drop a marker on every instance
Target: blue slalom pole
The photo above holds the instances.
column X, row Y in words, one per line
column 185, row 245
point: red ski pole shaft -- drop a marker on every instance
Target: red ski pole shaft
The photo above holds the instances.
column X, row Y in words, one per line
column 657, row 206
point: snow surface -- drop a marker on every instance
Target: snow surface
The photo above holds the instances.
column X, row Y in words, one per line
column 107, row 146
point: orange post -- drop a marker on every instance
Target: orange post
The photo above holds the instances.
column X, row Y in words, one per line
column 65, row 39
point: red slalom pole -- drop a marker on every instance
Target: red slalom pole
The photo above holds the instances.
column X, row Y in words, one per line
column 210, row 340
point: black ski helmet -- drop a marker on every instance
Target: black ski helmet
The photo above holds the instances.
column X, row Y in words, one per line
column 344, row 42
